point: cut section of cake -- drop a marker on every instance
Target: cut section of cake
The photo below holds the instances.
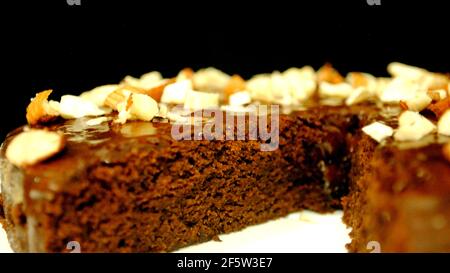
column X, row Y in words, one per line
column 154, row 165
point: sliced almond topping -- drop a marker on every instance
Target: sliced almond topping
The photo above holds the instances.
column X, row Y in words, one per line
column 99, row 94
column 378, row 131
column 406, row 71
column 435, row 81
column 260, row 87
column 157, row 91
column 137, row 107
column 235, row 84
column 185, row 74
column 413, row 126
column 72, row 107
column 151, row 84
column 163, row 110
column 196, row 100
column 440, row 107
column 437, row 95
column 143, row 107
column 328, row 74
column 399, row 89
column 403, row 105
column 418, row 102
column 357, row 79
column 301, row 82
column 146, row 81
column 39, row 111
column 34, row 146
column 176, row 92
column 97, row 121
column 240, row 98
column 444, row 124
column 210, row 79
column 340, row 90
column 116, row 97
column 358, row 95
column 281, row 93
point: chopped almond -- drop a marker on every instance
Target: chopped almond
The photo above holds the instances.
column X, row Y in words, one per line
column 440, row 107
column 403, row 105
column 437, row 95
column 33, row 146
column 437, row 81
column 358, row 79
column 137, row 107
column 235, row 84
column 185, row 74
column 157, row 91
column 39, row 111
column 116, row 97
column 328, row 74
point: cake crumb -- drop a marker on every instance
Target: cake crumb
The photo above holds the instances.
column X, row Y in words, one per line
column 216, row 238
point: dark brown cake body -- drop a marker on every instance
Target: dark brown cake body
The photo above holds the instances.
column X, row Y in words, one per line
column 133, row 188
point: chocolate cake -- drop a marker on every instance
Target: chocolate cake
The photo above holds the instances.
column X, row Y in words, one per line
column 127, row 181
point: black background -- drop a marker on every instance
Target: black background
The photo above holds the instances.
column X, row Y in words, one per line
column 71, row 49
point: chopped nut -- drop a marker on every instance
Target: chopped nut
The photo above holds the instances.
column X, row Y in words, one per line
column 176, row 92
column 440, row 107
column 380, row 85
column 185, row 74
column 151, row 84
column 260, row 87
column 99, row 94
column 437, row 95
column 340, row 90
column 210, row 79
column 137, row 107
column 328, row 74
column 403, row 105
column 157, row 91
column 72, row 107
column 378, row 131
column 413, row 126
column 146, row 81
column 358, row 95
column 116, row 97
column 434, row 81
column 34, row 146
column 143, row 107
column 96, row 121
column 163, row 110
column 240, row 98
column 235, row 84
column 196, row 100
column 427, row 80
column 281, row 93
column 406, row 71
column 301, row 81
column 357, row 79
column 39, row 110
column 306, row 72
column 444, row 124
column 418, row 102
column 399, row 89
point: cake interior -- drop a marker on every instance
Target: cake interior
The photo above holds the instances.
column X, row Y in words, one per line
column 132, row 188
